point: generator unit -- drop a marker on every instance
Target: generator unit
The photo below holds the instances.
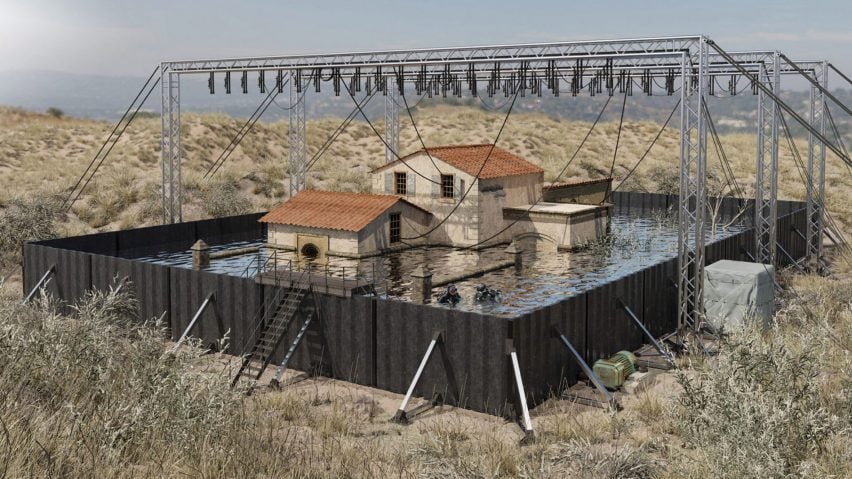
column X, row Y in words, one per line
column 614, row 371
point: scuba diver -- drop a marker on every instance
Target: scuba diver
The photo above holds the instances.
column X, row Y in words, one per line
column 485, row 294
column 451, row 296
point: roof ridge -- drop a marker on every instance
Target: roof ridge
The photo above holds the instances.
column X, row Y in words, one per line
column 471, row 145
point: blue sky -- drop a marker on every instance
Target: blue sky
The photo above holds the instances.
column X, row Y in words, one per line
column 128, row 37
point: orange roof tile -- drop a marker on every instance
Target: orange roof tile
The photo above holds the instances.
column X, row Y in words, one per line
column 470, row 159
column 332, row 210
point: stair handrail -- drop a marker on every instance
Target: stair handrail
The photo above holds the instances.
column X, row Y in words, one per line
column 252, row 338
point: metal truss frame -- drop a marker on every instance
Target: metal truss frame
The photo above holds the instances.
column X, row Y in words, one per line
column 766, row 182
column 391, row 123
column 816, row 169
column 693, row 194
column 297, row 139
column 170, row 148
column 685, row 58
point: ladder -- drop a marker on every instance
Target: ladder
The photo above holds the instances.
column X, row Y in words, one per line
column 258, row 359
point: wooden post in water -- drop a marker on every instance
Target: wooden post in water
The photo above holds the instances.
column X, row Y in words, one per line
column 200, row 255
column 517, row 254
column 421, row 285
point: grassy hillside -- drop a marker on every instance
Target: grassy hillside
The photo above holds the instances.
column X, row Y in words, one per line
column 92, row 394
column 44, row 153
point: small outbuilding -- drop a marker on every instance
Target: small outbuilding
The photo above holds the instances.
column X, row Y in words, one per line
column 318, row 223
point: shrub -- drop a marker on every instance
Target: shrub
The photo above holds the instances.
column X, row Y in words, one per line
column 55, row 112
column 94, row 394
column 756, row 410
column 224, row 198
column 24, row 220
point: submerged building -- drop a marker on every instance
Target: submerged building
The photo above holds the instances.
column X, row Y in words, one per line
column 460, row 196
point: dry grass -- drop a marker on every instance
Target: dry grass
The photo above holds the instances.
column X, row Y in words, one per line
column 42, row 152
column 91, row 394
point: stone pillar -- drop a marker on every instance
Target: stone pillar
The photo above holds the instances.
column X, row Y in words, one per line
column 517, row 254
column 200, row 255
column 421, row 285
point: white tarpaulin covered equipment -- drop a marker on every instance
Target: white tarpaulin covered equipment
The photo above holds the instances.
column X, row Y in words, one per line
column 736, row 290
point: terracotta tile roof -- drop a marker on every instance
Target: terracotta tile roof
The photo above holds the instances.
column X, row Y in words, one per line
column 332, row 210
column 470, row 158
column 566, row 184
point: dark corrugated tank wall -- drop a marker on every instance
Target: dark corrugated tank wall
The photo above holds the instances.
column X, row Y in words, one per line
column 379, row 342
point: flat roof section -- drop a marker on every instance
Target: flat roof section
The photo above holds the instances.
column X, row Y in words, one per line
column 562, row 209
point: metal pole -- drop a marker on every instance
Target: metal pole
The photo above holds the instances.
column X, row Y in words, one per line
column 664, row 352
column 766, row 186
column 391, row 122
column 192, row 323
column 519, row 382
column 587, row 370
column 790, row 257
column 40, row 282
column 691, row 202
column 298, row 142
column 816, row 173
column 400, row 413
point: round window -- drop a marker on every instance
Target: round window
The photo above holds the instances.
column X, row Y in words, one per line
column 310, row 250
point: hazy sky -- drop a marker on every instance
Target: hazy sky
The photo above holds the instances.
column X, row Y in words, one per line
column 121, row 37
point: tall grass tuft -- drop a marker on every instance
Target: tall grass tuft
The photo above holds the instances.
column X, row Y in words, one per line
column 756, row 410
column 23, row 220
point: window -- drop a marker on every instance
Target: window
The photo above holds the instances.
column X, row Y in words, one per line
column 447, row 186
column 395, row 232
column 400, row 183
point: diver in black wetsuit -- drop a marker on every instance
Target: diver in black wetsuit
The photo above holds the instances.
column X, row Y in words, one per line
column 451, row 296
column 485, row 294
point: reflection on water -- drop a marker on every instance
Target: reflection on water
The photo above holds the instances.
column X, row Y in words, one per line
column 547, row 277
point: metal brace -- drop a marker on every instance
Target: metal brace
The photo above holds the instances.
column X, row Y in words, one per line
column 50, row 271
column 610, row 400
column 401, row 416
column 191, row 325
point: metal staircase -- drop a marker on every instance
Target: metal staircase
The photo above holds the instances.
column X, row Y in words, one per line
column 258, row 359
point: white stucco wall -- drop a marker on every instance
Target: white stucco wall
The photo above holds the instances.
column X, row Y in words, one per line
column 340, row 242
column 372, row 239
column 376, row 236
column 564, row 231
column 480, row 215
column 499, row 193
column 461, row 228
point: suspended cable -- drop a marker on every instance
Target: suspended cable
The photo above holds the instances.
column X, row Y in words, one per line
column 727, row 170
column 493, row 108
column 842, row 75
column 816, row 84
column 836, row 134
column 647, row 150
column 766, row 90
column 376, row 132
column 339, row 130
column 479, row 172
column 805, row 177
column 110, row 136
column 106, row 154
column 561, row 172
column 417, row 132
column 244, row 130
